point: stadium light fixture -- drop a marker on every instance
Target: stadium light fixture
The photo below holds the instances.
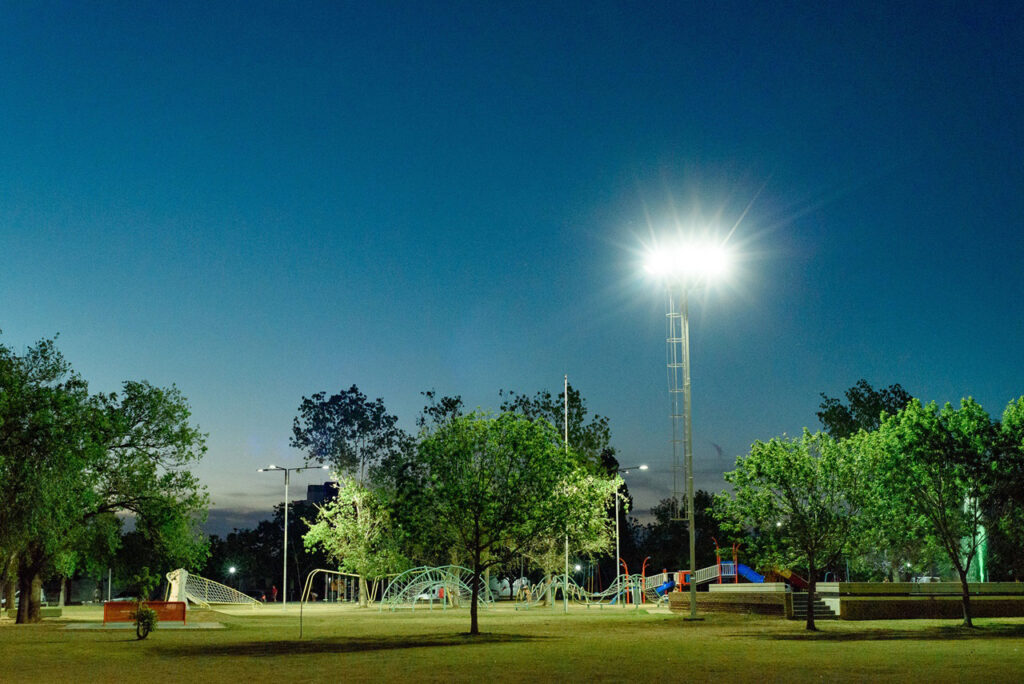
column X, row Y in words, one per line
column 680, row 267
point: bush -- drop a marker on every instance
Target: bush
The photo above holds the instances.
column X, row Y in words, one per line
column 145, row 620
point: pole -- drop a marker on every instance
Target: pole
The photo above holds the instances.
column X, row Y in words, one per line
column 617, row 588
column 565, row 580
column 284, row 573
column 688, row 447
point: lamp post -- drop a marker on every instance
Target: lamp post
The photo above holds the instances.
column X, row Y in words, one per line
column 284, row 572
column 624, row 471
column 681, row 268
column 231, row 573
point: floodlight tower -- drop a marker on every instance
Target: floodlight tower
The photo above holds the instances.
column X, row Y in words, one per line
column 681, row 268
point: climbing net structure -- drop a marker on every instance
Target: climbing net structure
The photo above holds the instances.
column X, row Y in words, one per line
column 187, row 586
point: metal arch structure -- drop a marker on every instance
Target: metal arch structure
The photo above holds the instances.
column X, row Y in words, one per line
column 624, row 588
column 448, row 584
column 308, row 586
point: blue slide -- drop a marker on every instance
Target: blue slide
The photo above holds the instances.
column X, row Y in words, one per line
column 665, row 587
column 748, row 573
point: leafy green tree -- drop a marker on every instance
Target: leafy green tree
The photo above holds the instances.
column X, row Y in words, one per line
column 42, row 403
column 933, row 470
column 863, row 410
column 74, row 465
column 346, row 431
column 588, row 531
column 800, row 499
column 1005, row 502
column 589, row 436
column 356, row 531
column 493, row 487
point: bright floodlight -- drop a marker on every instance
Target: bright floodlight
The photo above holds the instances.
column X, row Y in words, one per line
column 232, row 569
column 643, row 467
column 690, row 261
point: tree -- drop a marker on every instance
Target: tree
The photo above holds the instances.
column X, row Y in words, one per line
column 74, row 465
column 1006, row 497
column 588, row 531
column 801, row 501
column 864, row 408
column 666, row 539
column 493, row 486
column 589, row 439
column 933, row 474
column 356, row 531
column 346, row 431
column 439, row 410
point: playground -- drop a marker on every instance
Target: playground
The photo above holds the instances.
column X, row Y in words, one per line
column 623, row 644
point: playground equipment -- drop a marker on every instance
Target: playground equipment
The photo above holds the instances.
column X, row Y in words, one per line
column 791, row 577
column 338, row 586
column 624, row 590
column 502, row 589
column 726, row 569
column 186, row 586
column 447, row 584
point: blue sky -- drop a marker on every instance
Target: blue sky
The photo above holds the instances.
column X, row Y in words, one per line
column 259, row 201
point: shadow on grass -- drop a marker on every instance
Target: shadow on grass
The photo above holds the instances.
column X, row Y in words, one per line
column 256, row 649
column 952, row 633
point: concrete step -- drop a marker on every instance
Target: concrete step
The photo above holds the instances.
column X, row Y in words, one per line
column 822, row 611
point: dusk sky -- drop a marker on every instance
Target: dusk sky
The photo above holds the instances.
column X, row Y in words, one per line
column 259, row 201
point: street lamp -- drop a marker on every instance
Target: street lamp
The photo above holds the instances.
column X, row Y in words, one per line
column 284, row 573
column 681, row 268
column 231, row 572
column 624, row 471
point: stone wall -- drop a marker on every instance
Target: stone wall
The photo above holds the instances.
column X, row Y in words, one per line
column 746, row 602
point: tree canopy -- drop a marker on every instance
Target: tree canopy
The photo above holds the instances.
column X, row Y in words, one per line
column 495, row 486
column 346, row 431
column 800, row 500
column 73, row 465
column 863, row 410
column 590, row 436
column 356, row 531
column 933, row 475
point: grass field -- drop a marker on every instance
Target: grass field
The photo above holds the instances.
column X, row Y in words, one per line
column 610, row 644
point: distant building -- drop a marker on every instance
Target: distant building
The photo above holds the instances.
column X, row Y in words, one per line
column 321, row 493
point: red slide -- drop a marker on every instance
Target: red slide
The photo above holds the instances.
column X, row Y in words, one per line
column 794, row 579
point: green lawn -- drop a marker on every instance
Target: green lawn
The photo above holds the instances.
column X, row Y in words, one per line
column 538, row 645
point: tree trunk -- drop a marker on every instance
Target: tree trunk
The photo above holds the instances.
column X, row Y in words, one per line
column 10, row 587
column 10, row 581
column 474, row 625
column 812, row 584
column 966, row 597
column 30, row 585
column 364, row 595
